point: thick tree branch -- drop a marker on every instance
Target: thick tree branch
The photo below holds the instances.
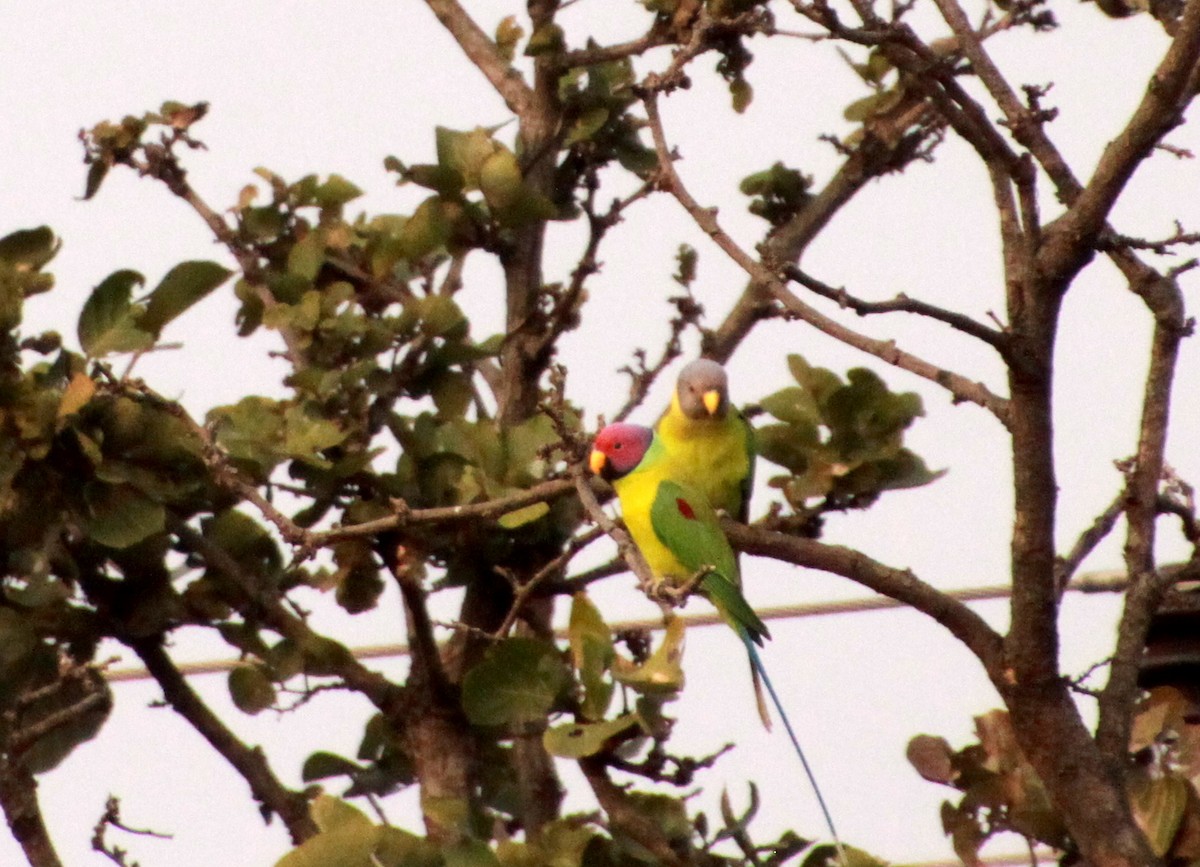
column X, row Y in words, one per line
column 1170, row 91
column 18, row 799
column 899, row 584
column 886, row 144
column 482, row 51
column 960, row 387
column 625, row 816
column 249, row 762
column 1165, row 301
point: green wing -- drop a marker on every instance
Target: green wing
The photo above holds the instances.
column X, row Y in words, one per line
column 687, row 525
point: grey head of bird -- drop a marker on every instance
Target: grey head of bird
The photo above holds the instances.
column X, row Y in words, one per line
column 703, row 390
column 618, row 449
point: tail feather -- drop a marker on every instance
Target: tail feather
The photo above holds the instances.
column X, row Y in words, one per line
column 760, row 671
column 760, row 699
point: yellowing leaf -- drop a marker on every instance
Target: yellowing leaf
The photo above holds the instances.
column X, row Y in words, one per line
column 576, row 740
column 77, row 393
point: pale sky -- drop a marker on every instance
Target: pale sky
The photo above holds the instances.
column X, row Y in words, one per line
column 303, row 88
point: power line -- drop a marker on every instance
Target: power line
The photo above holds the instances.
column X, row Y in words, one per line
column 1094, row 582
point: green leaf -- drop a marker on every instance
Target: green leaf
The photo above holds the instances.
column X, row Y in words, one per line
column 452, row 394
column 29, row 249
column 96, row 173
column 576, row 740
column 440, row 315
column 108, row 321
column 742, row 94
column 500, row 179
column 425, row 231
column 521, row 517
column 321, row 766
column 818, row 381
column 470, row 853
column 17, row 642
column 347, row 847
column 793, row 405
column 335, row 192
column 79, row 704
column 873, row 105
column 306, row 435
column 251, row 431
column 662, row 673
column 587, row 125
column 592, row 654
column 183, row 286
column 399, row 848
column 121, row 515
column 306, row 256
column 516, row 683
column 464, row 152
column 251, row 689
column 546, row 39
column 347, row 839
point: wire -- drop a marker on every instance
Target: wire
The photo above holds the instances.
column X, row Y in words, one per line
column 1111, row 581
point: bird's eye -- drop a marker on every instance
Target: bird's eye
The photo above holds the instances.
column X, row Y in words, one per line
column 616, row 446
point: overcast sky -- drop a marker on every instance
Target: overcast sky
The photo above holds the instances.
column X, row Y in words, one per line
column 303, row 88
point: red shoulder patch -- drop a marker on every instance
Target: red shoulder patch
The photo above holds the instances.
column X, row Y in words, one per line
column 685, row 508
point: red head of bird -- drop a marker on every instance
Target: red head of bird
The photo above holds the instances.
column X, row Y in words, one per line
column 618, row 449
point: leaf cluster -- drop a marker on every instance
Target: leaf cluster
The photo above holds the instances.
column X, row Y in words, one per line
column 1001, row 791
column 841, row 441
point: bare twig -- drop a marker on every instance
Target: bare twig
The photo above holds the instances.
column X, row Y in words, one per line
column 901, row 303
column 1087, row 542
column 530, row 588
column 960, row 387
column 249, row 762
column 629, row 552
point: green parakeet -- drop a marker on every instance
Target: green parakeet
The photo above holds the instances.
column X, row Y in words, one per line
column 680, row 537
column 709, row 439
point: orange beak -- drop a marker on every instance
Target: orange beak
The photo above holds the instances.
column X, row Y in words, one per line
column 597, row 461
column 712, row 401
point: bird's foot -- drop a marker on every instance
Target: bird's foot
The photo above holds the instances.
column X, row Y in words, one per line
column 676, row 595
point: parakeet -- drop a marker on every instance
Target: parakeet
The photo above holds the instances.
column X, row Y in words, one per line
column 680, row 537
column 709, row 438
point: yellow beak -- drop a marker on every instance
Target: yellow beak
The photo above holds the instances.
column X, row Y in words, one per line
column 712, row 401
column 597, row 461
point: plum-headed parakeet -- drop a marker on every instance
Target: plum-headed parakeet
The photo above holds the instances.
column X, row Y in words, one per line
column 680, row 537
column 709, row 439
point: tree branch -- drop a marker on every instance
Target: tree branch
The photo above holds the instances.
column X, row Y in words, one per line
column 625, row 816
column 1165, row 301
column 250, row 763
column 482, row 51
column 901, row 303
column 899, row 584
column 959, row 386
column 18, row 799
column 1171, row 89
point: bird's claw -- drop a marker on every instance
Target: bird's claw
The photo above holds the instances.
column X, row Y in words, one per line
column 676, row 595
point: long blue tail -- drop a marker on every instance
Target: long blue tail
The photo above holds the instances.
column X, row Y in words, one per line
column 757, row 663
